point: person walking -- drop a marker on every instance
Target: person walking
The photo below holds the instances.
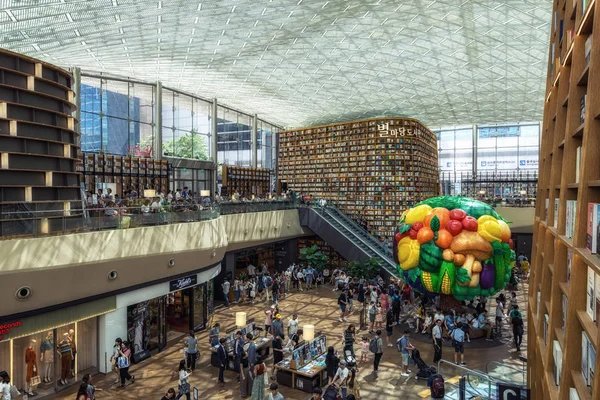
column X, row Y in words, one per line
column 270, row 313
column 226, row 286
column 516, row 319
column 237, row 289
column 258, row 386
column 340, row 380
column 191, row 344
column 405, row 349
column 222, row 353
column 123, row 363
column 331, row 364
column 499, row 315
column 436, row 334
column 114, row 357
column 342, row 302
column 377, row 350
column 274, row 392
column 277, row 326
column 389, row 327
column 349, row 339
column 91, row 389
column 458, row 340
column 251, row 351
column 184, row 385
column 213, row 335
column 292, row 326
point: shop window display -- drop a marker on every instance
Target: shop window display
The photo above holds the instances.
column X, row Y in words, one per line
column 49, row 361
column 145, row 322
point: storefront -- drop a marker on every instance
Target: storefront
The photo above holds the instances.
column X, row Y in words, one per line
column 153, row 317
column 47, row 353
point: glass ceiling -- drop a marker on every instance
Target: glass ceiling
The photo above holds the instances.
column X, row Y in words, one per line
column 301, row 62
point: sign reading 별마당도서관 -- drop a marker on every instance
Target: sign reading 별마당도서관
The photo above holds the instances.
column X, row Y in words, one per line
column 385, row 131
column 183, row 282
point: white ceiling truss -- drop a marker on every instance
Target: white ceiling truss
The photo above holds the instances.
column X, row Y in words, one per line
column 302, row 62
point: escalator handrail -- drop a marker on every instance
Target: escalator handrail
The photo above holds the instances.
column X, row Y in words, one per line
column 359, row 228
column 384, row 258
column 468, row 370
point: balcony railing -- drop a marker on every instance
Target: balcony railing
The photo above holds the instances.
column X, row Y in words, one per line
column 44, row 223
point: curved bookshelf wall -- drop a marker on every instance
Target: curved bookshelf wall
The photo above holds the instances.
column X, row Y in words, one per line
column 39, row 184
column 371, row 169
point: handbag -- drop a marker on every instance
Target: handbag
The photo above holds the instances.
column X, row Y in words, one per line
column 123, row 362
column 35, row 380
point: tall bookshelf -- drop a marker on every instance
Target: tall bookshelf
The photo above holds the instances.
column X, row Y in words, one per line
column 246, row 181
column 560, row 260
column 373, row 168
column 126, row 172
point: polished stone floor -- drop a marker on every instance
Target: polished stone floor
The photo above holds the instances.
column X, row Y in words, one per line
column 155, row 375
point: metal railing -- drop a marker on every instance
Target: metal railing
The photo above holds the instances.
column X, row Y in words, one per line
column 475, row 379
column 36, row 223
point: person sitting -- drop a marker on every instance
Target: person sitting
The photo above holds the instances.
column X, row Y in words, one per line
column 481, row 325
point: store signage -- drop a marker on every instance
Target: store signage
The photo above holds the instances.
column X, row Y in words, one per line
column 183, row 282
column 511, row 392
column 5, row 328
column 385, row 131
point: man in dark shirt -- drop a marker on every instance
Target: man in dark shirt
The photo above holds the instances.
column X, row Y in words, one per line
column 238, row 352
column 222, row 353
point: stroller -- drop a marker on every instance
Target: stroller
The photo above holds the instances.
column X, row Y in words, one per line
column 425, row 371
column 349, row 357
column 331, row 393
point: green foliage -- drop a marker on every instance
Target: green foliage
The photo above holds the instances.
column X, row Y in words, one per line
column 367, row 269
column 313, row 257
column 191, row 145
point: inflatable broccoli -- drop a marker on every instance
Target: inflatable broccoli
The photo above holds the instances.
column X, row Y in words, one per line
column 454, row 246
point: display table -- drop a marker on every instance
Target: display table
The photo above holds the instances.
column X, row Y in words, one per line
column 307, row 378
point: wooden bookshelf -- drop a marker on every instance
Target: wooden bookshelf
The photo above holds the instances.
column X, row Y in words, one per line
column 571, row 121
column 246, row 181
column 39, row 184
column 126, row 172
column 371, row 169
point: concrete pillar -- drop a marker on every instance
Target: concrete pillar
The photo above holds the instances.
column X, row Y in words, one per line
column 475, row 151
column 157, row 145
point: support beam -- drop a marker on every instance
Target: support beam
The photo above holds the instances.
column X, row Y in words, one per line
column 254, row 161
column 157, row 145
column 215, row 141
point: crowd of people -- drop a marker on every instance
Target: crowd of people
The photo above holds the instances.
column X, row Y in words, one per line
column 381, row 307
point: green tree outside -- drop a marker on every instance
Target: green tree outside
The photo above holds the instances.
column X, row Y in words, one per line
column 191, row 145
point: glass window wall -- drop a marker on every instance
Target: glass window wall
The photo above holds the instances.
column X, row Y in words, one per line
column 116, row 116
column 234, row 137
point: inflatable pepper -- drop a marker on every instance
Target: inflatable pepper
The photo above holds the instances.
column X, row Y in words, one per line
column 455, row 246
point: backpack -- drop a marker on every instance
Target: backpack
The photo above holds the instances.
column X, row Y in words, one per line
column 438, row 391
column 396, row 302
column 373, row 345
column 399, row 344
column 372, row 311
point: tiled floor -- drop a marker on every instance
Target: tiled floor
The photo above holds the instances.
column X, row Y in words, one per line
column 155, row 375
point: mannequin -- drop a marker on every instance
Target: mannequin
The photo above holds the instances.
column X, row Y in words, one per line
column 66, row 356
column 32, row 367
column 47, row 357
column 73, row 350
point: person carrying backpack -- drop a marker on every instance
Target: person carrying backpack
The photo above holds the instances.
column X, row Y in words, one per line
column 435, row 383
column 372, row 315
column 458, row 341
column 268, row 281
column 376, row 347
column 516, row 319
column 396, row 306
column 404, row 347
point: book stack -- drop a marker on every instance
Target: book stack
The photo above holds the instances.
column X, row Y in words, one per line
column 590, row 305
column 592, row 227
column 570, row 218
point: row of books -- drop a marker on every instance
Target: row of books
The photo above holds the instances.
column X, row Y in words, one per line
column 100, row 163
column 593, row 296
column 593, row 219
column 588, row 360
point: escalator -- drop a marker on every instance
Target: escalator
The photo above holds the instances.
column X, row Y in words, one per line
column 347, row 237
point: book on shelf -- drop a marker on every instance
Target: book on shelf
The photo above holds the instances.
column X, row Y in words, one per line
column 560, row 30
column 590, row 305
column 539, row 299
column 592, row 227
column 556, row 203
column 570, row 218
column 546, row 323
column 597, row 293
column 591, row 364
column 569, row 264
column 546, row 204
column 573, row 395
column 565, row 304
column 588, row 49
column 557, row 354
column 582, row 107
column 585, row 345
column 577, row 163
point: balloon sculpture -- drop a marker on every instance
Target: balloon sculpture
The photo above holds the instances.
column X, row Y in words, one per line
column 454, row 246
